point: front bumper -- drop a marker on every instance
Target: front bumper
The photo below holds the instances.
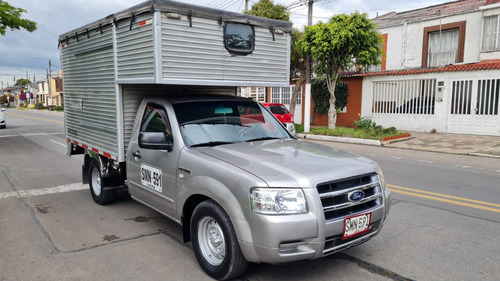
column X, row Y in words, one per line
column 282, row 239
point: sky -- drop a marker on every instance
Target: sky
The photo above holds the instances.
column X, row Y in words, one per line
column 26, row 55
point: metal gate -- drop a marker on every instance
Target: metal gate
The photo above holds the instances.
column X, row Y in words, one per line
column 474, row 107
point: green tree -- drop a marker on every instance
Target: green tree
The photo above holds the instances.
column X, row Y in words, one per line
column 10, row 17
column 321, row 96
column 341, row 43
column 23, row 82
column 267, row 9
column 297, row 67
column 3, row 99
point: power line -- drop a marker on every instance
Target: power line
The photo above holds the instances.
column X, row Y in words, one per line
column 216, row 3
column 316, row 17
column 296, row 4
column 234, row 2
column 225, row 4
column 241, row 4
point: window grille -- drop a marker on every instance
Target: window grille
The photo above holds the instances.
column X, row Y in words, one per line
column 284, row 95
column 461, row 95
column 404, row 96
column 487, row 97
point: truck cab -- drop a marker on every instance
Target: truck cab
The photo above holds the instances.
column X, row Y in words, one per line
column 257, row 179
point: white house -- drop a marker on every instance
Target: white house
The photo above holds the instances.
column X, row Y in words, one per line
column 441, row 70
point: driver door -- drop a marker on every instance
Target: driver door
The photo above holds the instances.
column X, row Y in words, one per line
column 152, row 172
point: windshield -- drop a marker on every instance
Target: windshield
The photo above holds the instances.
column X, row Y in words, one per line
column 222, row 122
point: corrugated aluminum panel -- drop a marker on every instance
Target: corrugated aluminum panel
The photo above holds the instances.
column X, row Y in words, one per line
column 134, row 94
column 267, row 63
column 192, row 52
column 198, row 53
column 132, row 97
column 89, row 90
column 134, row 51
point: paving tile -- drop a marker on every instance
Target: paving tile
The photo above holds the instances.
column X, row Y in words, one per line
column 450, row 143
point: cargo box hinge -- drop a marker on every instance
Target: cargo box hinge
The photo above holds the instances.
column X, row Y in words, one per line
column 132, row 20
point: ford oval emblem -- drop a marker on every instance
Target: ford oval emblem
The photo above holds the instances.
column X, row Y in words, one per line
column 356, row 196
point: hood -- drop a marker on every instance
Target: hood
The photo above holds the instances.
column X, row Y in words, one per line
column 292, row 163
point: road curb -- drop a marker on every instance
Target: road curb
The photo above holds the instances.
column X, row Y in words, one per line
column 340, row 139
column 484, row 155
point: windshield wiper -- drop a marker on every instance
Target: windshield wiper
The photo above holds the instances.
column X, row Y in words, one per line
column 263, row 138
column 211, row 143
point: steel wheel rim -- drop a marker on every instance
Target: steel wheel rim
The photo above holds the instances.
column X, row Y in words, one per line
column 211, row 241
column 96, row 182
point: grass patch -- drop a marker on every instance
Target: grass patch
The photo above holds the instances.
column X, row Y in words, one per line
column 376, row 133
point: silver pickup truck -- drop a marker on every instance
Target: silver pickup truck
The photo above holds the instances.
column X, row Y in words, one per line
column 150, row 97
column 244, row 189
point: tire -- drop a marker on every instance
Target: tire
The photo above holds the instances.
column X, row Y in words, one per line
column 214, row 242
column 101, row 196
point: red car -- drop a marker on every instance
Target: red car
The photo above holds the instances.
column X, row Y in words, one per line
column 281, row 112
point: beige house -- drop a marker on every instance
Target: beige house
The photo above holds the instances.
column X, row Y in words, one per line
column 51, row 95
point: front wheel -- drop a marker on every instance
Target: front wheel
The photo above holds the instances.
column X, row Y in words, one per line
column 214, row 242
column 101, row 195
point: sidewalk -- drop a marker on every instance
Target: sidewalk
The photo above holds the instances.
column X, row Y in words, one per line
column 444, row 143
column 451, row 143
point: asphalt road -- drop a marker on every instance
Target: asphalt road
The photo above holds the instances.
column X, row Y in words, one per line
column 443, row 225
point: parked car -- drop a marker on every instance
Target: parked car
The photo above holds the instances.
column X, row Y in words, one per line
column 3, row 123
column 281, row 112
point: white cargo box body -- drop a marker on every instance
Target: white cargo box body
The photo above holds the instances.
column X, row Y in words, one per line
column 158, row 42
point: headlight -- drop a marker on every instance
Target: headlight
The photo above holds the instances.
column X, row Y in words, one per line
column 278, row 201
column 381, row 178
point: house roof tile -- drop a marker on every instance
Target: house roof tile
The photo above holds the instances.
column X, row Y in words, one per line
column 482, row 65
column 445, row 9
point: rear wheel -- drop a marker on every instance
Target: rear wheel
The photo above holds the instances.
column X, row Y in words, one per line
column 101, row 195
column 214, row 242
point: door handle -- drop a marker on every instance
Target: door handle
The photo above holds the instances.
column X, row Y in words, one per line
column 136, row 154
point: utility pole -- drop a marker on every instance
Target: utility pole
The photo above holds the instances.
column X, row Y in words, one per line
column 246, row 6
column 49, row 81
column 307, row 104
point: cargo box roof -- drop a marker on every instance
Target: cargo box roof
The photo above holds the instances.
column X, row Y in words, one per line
column 128, row 15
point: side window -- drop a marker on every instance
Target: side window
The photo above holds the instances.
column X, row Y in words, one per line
column 239, row 38
column 155, row 120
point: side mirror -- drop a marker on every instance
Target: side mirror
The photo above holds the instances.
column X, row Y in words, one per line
column 154, row 140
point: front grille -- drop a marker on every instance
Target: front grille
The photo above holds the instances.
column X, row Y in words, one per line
column 334, row 196
column 334, row 244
